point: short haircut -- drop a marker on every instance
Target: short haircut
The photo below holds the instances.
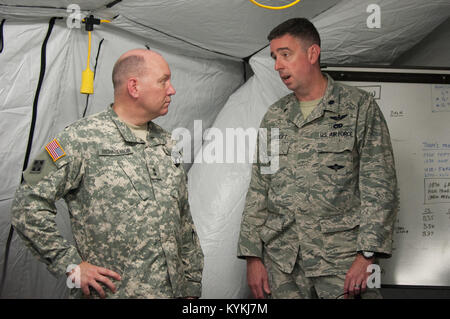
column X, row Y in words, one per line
column 133, row 65
column 300, row 28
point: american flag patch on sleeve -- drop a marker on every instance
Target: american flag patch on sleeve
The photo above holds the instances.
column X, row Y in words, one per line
column 55, row 150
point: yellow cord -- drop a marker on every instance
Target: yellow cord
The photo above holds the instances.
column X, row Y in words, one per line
column 87, row 76
column 275, row 7
column 89, row 49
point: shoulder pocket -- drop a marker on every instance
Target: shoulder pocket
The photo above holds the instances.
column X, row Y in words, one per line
column 42, row 166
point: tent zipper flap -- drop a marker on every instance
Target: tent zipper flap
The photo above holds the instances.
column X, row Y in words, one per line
column 30, row 138
column 1, row 35
column 38, row 90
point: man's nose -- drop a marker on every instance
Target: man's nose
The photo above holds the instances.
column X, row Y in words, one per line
column 171, row 90
column 278, row 64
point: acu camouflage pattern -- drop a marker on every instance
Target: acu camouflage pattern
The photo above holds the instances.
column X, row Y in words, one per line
column 335, row 192
column 128, row 206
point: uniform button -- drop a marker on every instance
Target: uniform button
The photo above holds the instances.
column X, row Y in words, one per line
column 331, row 102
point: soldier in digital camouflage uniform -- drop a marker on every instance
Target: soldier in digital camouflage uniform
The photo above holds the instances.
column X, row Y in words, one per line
column 126, row 193
column 312, row 228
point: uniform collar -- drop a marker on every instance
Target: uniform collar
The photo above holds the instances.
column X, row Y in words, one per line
column 124, row 130
column 153, row 137
column 329, row 102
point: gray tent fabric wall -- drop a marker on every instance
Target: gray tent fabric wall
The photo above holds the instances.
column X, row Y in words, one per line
column 206, row 44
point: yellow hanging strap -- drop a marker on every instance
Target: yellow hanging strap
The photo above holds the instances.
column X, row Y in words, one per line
column 87, row 76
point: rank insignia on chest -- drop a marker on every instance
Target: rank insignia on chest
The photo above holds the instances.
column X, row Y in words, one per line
column 339, row 117
column 336, row 167
column 55, row 150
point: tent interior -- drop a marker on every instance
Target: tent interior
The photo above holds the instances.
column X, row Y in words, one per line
column 224, row 77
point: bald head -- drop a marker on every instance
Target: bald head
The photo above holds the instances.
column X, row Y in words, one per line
column 133, row 63
column 142, row 86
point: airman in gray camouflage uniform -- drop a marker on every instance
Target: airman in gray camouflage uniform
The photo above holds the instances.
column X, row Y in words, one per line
column 127, row 196
column 310, row 228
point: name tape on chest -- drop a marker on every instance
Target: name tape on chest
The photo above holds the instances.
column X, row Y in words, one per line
column 329, row 134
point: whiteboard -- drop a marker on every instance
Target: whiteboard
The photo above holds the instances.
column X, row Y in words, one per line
column 416, row 105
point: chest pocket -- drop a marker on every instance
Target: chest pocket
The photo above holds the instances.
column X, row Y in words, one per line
column 336, row 161
column 134, row 168
column 284, row 147
column 279, row 165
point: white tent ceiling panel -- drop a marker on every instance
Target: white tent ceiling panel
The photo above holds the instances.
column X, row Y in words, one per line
column 32, row 13
column 165, row 41
column 347, row 39
column 84, row 4
column 433, row 51
column 234, row 27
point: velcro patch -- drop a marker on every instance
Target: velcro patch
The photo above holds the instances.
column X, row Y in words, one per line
column 37, row 166
column 55, row 150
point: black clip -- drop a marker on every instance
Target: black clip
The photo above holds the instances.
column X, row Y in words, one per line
column 90, row 21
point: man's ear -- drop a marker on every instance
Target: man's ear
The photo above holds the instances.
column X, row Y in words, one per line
column 132, row 87
column 313, row 53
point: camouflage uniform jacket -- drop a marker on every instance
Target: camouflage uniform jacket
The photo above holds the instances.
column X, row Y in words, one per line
column 335, row 192
column 128, row 206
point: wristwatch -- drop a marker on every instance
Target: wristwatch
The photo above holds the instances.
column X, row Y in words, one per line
column 367, row 254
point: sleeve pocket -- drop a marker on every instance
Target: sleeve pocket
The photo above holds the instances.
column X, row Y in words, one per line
column 339, row 233
column 275, row 225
